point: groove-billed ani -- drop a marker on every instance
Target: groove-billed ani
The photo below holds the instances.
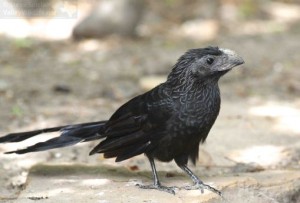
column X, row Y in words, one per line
column 168, row 122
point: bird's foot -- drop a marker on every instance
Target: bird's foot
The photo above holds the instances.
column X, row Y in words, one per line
column 202, row 187
column 158, row 187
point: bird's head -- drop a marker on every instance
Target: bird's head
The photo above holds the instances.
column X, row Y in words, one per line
column 205, row 63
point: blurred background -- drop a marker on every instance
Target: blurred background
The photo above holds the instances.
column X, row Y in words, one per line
column 73, row 61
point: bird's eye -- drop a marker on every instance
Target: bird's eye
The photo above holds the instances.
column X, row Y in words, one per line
column 209, row 61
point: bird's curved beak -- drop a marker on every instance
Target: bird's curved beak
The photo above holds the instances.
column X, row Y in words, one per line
column 231, row 60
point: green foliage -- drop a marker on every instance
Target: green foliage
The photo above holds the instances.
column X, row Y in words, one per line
column 17, row 111
column 248, row 8
column 170, row 2
column 23, row 43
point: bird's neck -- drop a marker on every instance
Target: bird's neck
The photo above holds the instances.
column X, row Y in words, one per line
column 197, row 95
column 208, row 87
column 197, row 103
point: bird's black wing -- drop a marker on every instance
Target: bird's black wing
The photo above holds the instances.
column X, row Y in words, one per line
column 132, row 127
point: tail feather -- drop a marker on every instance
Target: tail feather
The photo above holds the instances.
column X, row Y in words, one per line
column 18, row 137
column 70, row 135
column 21, row 136
column 53, row 143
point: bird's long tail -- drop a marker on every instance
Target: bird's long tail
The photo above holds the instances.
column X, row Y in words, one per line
column 70, row 135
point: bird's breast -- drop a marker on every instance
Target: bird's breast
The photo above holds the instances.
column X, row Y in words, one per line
column 196, row 112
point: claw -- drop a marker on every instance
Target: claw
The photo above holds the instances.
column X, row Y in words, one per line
column 159, row 187
column 202, row 186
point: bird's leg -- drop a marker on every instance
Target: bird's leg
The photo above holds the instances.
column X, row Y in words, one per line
column 156, row 185
column 198, row 184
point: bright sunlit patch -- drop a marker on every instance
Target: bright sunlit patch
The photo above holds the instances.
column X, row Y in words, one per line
column 284, row 12
column 107, row 7
column 44, row 29
column 287, row 117
column 64, row 181
column 95, row 182
column 8, row 27
column 266, row 155
column 90, row 45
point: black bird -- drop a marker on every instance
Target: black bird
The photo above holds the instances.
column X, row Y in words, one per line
column 166, row 123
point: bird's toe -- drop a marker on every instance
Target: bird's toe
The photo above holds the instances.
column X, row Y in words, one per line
column 202, row 187
column 159, row 187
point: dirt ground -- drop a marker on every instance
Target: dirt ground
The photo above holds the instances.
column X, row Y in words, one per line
column 48, row 83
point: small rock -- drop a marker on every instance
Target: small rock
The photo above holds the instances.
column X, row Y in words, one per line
column 3, row 85
column 134, row 168
column 244, row 168
column 111, row 17
column 65, row 89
